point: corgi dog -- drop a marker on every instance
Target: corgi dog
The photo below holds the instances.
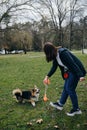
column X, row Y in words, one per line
column 31, row 96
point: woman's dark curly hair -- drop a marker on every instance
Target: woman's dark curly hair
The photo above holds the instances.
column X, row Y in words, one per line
column 50, row 50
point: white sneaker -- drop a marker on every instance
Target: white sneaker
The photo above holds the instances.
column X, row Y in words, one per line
column 74, row 112
column 56, row 105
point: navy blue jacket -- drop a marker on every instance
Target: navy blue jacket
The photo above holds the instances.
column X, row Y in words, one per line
column 73, row 64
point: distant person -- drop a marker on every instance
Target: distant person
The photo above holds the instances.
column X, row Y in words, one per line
column 72, row 71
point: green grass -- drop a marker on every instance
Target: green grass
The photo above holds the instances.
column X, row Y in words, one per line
column 24, row 71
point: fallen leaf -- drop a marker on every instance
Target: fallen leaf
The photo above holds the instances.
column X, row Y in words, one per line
column 85, row 123
column 29, row 123
column 56, row 126
column 39, row 121
column 78, row 125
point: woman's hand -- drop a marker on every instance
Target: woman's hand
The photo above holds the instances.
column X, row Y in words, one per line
column 82, row 78
column 46, row 80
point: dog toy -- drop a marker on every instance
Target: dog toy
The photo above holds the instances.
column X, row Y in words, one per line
column 46, row 83
column 45, row 98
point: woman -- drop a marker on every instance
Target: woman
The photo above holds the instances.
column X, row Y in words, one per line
column 72, row 71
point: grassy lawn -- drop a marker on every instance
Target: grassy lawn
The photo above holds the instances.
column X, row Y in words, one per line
column 25, row 71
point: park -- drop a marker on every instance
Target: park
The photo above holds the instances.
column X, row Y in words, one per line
column 25, row 71
column 25, row 27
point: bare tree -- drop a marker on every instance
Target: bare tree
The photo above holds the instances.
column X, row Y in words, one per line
column 56, row 11
column 14, row 8
column 83, row 24
column 76, row 11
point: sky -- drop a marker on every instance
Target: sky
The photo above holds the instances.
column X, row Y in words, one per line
column 29, row 15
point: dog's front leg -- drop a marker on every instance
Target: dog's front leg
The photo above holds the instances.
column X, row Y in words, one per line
column 37, row 99
column 33, row 103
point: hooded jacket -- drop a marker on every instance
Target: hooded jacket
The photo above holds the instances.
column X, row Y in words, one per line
column 69, row 60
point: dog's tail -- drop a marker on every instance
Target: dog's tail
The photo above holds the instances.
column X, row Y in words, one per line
column 17, row 91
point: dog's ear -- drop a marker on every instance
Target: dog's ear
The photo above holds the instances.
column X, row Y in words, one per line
column 33, row 92
column 35, row 87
